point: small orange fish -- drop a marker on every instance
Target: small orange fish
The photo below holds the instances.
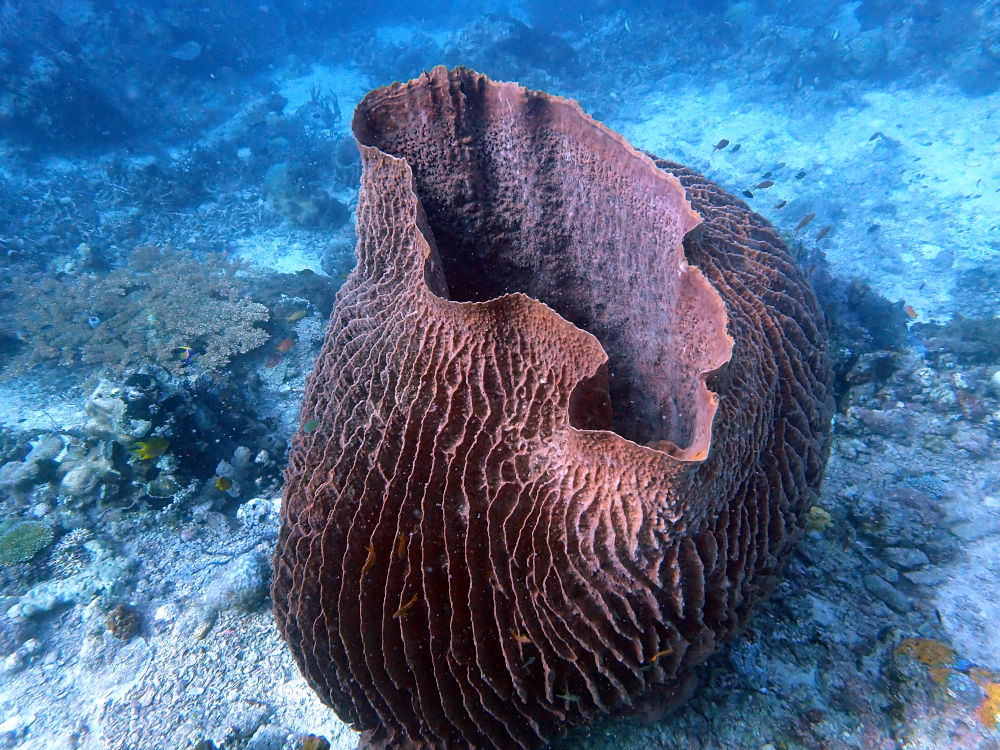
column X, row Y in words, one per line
column 721, row 145
column 657, row 655
column 285, row 344
column 823, row 232
column 764, row 185
column 520, row 638
column 370, row 560
column 805, row 221
column 401, row 546
column 405, row 609
column 910, row 312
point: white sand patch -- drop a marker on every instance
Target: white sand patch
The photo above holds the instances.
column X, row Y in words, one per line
column 25, row 407
column 277, row 253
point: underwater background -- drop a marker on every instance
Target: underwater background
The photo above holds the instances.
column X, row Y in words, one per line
column 177, row 187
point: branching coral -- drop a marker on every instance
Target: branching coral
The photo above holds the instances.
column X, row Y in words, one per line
column 167, row 307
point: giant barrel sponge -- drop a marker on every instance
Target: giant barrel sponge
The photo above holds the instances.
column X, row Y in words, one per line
column 572, row 407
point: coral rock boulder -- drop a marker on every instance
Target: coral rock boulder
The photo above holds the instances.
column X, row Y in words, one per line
column 571, row 410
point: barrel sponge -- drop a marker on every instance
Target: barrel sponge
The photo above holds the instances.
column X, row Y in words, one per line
column 571, row 409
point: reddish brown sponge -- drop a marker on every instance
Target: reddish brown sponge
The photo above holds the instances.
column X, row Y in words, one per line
column 571, row 409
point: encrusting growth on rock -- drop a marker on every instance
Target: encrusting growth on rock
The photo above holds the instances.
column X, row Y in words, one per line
column 570, row 413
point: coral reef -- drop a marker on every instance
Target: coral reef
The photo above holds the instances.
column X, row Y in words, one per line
column 123, row 621
column 944, row 665
column 21, row 540
column 167, row 307
column 104, row 575
column 522, row 522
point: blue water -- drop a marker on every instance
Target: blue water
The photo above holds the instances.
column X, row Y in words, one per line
column 177, row 188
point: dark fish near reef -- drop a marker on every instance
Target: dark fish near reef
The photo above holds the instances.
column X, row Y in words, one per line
column 823, row 232
column 309, row 426
column 781, row 204
column 764, row 185
column 748, row 194
column 720, row 145
column 735, row 148
column 800, row 174
column 805, row 221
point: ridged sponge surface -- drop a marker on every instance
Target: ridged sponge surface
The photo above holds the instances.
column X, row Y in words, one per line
column 571, row 409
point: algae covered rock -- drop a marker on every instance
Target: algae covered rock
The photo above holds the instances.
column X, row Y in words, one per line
column 21, row 540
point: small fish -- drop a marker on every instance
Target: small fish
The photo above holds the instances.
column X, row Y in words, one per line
column 285, row 345
column 370, row 560
column 401, row 546
column 296, row 316
column 735, row 148
column 781, row 204
column 311, row 425
column 146, row 450
column 800, row 174
column 186, row 354
column 273, row 360
column 568, row 697
column 748, row 194
column 805, row 221
column 875, row 135
column 405, row 609
column 520, row 638
column 652, row 660
column 910, row 312
column 720, row 145
column 306, row 272
column 767, row 175
column 223, row 483
column 764, row 185
column 823, row 232
column 528, row 662
column 93, row 321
